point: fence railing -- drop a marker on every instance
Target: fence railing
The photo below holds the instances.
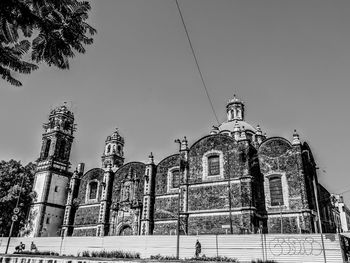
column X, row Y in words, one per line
column 279, row 247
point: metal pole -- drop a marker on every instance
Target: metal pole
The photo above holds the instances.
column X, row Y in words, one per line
column 62, row 237
column 229, row 194
column 319, row 217
column 9, row 238
column 13, row 221
column 281, row 217
column 178, row 208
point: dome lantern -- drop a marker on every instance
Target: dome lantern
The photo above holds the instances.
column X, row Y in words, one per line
column 235, row 109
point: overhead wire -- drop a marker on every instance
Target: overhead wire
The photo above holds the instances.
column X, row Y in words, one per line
column 196, row 60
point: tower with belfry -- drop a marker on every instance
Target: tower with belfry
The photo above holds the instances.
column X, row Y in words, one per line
column 52, row 174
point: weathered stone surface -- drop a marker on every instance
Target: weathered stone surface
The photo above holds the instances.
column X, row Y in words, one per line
column 218, row 224
column 87, row 215
column 289, row 225
column 232, row 165
column 133, row 171
column 165, row 228
column 208, row 197
column 166, row 207
column 162, row 173
column 93, row 174
column 77, row 232
column 278, row 157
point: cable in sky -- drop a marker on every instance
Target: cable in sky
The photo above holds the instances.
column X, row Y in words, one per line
column 195, row 58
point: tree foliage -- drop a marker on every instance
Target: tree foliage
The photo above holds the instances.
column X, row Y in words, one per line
column 16, row 182
column 49, row 31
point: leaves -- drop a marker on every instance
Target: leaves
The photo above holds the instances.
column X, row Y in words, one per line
column 60, row 30
column 16, row 182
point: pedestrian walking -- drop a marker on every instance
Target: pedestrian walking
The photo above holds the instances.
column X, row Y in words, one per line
column 198, row 248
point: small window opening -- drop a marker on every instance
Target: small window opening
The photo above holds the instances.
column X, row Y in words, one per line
column 213, row 165
column 276, row 192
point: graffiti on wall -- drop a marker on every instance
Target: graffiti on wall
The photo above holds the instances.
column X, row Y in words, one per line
column 295, row 246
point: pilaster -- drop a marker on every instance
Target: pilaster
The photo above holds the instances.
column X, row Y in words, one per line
column 148, row 198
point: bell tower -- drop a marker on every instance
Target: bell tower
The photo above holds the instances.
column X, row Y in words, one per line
column 113, row 154
column 52, row 175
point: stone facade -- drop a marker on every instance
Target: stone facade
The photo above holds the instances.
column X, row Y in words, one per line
column 234, row 180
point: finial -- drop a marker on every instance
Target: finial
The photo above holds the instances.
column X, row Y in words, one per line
column 184, row 143
column 258, row 130
column 243, row 134
column 296, row 140
column 214, row 130
column 151, row 158
column 179, row 142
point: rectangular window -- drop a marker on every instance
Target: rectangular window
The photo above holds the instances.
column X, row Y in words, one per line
column 93, row 190
column 276, row 192
column 47, row 220
column 175, row 178
column 56, row 188
column 213, row 165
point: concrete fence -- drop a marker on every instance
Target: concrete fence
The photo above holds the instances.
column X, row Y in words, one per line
column 282, row 248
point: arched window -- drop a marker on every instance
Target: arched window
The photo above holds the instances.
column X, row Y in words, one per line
column 62, row 150
column 213, row 165
column 47, row 148
column 93, row 186
column 109, row 148
column 119, row 149
column 276, row 191
column 66, row 125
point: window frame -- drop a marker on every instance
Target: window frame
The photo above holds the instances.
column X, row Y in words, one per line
column 170, row 187
column 205, row 165
column 88, row 191
column 213, row 165
column 274, row 196
column 285, row 190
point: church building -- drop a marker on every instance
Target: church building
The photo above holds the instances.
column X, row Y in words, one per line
column 235, row 180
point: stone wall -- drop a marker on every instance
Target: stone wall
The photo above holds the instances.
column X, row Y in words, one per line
column 87, row 215
column 232, row 164
column 136, row 168
column 165, row 207
column 161, row 180
column 84, row 232
column 165, row 228
column 93, row 174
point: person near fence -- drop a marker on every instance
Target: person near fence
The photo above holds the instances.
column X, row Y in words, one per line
column 33, row 247
column 198, row 248
column 20, row 247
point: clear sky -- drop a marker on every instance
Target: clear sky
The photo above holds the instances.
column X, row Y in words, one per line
column 288, row 60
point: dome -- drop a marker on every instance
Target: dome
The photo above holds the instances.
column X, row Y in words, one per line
column 115, row 136
column 234, row 100
column 229, row 126
column 63, row 109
